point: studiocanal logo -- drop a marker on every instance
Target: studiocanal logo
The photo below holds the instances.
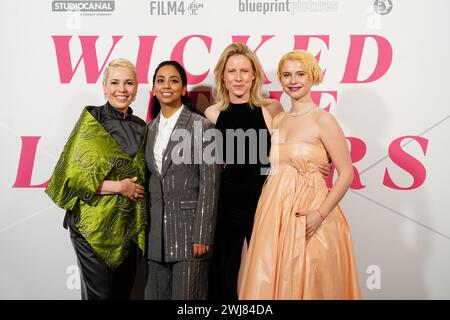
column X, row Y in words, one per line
column 174, row 8
column 85, row 8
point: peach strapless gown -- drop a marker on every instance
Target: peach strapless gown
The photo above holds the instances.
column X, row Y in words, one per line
column 280, row 263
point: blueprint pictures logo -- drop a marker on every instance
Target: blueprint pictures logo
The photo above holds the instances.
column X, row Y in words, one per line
column 287, row 6
column 92, row 7
column 174, row 8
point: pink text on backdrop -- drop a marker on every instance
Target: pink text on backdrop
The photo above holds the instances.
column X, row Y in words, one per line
column 357, row 151
column 92, row 70
column 26, row 163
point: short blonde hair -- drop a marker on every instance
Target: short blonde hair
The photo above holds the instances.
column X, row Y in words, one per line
column 221, row 94
column 119, row 62
column 308, row 61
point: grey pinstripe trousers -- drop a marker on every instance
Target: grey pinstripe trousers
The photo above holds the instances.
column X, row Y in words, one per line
column 181, row 280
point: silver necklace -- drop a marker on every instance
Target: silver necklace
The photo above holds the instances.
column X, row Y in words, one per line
column 298, row 114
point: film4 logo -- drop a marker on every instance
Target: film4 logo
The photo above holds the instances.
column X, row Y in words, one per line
column 173, row 8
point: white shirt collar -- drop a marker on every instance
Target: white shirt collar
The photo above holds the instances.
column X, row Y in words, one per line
column 165, row 128
column 172, row 120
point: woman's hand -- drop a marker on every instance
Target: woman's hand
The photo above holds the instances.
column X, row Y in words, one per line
column 313, row 221
column 130, row 189
column 199, row 250
column 324, row 169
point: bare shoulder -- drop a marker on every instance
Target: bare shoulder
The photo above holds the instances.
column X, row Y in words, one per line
column 277, row 119
column 212, row 108
column 273, row 106
column 212, row 113
column 327, row 122
column 325, row 118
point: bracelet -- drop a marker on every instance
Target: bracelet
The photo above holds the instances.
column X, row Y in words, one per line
column 320, row 214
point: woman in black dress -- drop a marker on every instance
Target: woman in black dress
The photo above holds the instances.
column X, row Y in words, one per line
column 244, row 118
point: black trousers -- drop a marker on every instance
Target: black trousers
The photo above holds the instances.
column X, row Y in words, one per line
column 98, row 281
column 233, row 226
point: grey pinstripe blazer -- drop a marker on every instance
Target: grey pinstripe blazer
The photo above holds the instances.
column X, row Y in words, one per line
column 183, row 198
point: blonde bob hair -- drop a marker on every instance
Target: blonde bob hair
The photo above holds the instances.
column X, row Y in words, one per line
column 119, row 62
column 308, row 61
column 221, row 94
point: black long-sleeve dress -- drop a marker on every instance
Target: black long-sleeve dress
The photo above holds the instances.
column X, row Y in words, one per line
column 242, row 179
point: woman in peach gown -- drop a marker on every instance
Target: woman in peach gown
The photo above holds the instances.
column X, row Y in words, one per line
column 301, row 246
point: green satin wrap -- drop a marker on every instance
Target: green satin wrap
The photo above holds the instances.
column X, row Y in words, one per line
column 107, row 222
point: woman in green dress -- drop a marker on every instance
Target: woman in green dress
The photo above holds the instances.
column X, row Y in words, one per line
column 98, row 181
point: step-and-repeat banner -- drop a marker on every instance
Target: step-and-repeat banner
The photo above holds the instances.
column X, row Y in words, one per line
column 386, row 81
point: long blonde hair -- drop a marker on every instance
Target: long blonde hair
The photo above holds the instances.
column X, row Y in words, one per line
column 221, row 94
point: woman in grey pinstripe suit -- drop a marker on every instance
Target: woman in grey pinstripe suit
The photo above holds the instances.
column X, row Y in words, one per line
column 183, row 194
